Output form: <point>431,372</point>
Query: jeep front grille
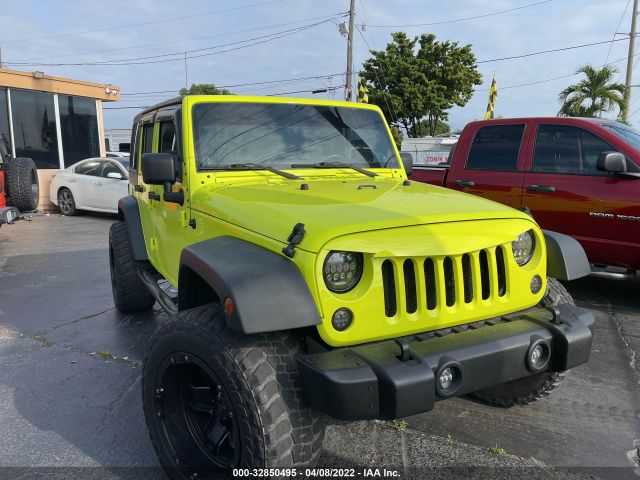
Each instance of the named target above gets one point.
<point>469,280</point>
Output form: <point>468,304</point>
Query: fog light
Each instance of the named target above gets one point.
<point>536,284</point>
<point>342,319</point>
<point>446,378</point>
<point>538,356</point>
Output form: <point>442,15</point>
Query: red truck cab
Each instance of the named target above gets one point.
<point>550,167</point>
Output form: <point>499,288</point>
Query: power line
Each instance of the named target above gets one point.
<point>150,22</point>
<point>384,93</point>
<point>614,32</point>
<point>552,78</point>
<point>282,80</point>
<point>550,51</point>
<point>461,19</point>
<point>173,42</point>
<point>180,56</point>
<point>327,89</point>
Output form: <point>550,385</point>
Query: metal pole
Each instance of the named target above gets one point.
<point>632,44</point>
<point>349,81</point>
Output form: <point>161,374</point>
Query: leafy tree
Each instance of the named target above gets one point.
<point>594,95</point>
<point>397,136</point>
<point>204,89</point>
<point>424,129</point>
<point>420,78</point>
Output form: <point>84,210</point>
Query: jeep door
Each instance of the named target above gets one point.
<point>567,193</point>
<point>170,220</point>
<point>488,161</point>
<point>143,143</point>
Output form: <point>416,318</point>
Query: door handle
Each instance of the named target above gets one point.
<point>465,183</point>
<point>97,183</point>
<point>541,188</point>
<point>138,188</point>
<point>72,181</point>
<point>154,196</point>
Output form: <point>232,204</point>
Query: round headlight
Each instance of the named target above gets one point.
<point>523,247</point>
<point>342,271</point>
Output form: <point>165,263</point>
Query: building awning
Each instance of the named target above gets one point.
<point>45,83</point>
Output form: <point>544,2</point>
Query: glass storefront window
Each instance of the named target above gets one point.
<point>5,132</point>
<point>34,127</point>
<point>79,127</point>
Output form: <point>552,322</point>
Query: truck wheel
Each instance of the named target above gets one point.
<point>23,191</point>
<point>129,293</point>
<point>532,388</point>
<point>215,399</point>
<point>66,202</point>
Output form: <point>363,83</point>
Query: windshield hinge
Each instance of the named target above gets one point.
<point>296,236</point>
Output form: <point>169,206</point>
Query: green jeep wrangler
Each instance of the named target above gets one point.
<point>303,274</point>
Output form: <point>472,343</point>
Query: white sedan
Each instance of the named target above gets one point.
<point>93,184</point>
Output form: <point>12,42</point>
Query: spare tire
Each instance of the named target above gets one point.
<point>23,191</point>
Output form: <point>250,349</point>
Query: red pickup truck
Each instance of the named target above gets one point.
<point>577,176</point>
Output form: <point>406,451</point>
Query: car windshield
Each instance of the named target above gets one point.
<point>282,135</point>
<point>124,161</point>
<point>626,134</point>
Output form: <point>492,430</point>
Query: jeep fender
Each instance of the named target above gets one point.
<point>566,259</point>
<point>267,291</point>
<point>129,214</point>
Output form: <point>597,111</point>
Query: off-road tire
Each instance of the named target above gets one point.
<point>129,293</point>
<point>530,389</point>
<point>275,427</point>
<point>22,184</point>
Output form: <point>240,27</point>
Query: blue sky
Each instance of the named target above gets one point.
<point>318,50</point>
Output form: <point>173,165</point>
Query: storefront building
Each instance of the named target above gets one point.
<point>55,121</point>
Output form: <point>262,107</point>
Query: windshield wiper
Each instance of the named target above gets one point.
<point>335,165</point>
<point>256,166</point>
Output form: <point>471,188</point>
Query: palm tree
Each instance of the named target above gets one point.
<point>594,95</point>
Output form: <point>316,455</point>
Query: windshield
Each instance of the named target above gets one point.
<point>124,161</point>
<point>626,134</point>
<point>282,135</point>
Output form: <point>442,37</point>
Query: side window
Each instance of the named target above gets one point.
<point>496,147</point>
<point>134,155</point>
<point>167,143</point>
<point>566,149</point>
<point>109,167</point>
<point>147,138</point>
<point>167,140</point>
<point>91,168</point>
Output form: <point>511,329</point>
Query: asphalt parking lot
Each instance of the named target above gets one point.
<point>70,365</point>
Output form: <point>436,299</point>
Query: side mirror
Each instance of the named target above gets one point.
<point>158,169</point>
<point>115,175</point>
<point>407,162</point>
<point>612,162</point>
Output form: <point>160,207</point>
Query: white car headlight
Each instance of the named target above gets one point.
<point>342,271</point>
<point>523,247</point>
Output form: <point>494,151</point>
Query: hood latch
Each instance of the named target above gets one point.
<point>296,236</point>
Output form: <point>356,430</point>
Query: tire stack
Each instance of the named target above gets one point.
<point>21,178</point>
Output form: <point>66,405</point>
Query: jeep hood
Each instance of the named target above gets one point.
<point>331,208</point>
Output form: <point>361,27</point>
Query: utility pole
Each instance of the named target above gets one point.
<point>348,91</point>
<point>632,45</point>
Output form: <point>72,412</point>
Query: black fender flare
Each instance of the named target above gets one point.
<point>129,214</point>
<point>566,259</point>
<point>267,291</point>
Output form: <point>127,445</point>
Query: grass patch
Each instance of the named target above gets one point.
<point>105,355</point>
<point>400,425</point>
<point>497,450</point>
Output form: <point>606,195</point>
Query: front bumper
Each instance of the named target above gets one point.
<point>397,378</point>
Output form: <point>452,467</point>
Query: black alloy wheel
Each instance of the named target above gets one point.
<point>196,416</point>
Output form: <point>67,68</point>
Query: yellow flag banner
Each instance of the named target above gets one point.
<point>363,92</point>
<point>493,94</point>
